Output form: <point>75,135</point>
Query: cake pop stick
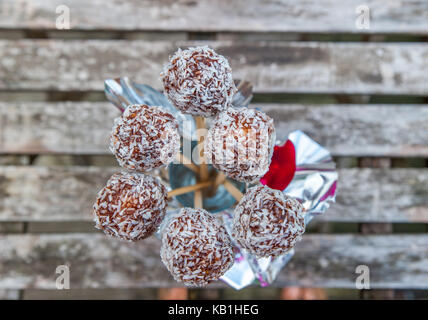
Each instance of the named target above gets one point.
<point>203,166</point>
<point>187,189</point>
<point>234,191</point>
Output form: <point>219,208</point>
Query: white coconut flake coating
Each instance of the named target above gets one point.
<point>268,223</point>
<point>196,248</point>
<point>144,138</point>
<point>131,206</point>
<point>240,143</point>
<point>199,81</point>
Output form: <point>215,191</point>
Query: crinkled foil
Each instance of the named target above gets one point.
<point>314,182</point>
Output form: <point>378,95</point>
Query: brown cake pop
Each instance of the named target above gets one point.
<point>199,81</point>
<point>144,138</point>
<point>131,206</point>
<point>268,223</point>
<point>240,143</point>
<point>196,248</point>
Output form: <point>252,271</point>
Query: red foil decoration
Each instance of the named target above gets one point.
<point>282,167</point>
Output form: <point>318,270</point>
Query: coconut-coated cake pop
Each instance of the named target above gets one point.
<point>144,137</point>
<point>268,223</point>
<point>199,81</point>
<point>196,248</point>
<point>240,143</point>
<point>131,206</point>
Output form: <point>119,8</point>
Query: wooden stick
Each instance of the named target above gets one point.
<point>219,180</point>
<point>198,200</point>
<point>187,162</point>
<point>203,166</point>
<point>221,177</point>
<point>234,191</point>
<point>187,189</point>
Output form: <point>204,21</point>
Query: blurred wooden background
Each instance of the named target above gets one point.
<point>363,93</point>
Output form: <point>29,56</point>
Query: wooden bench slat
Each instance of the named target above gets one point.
<point>349,68</point>
<point>65,128</point>
<point>67,194</point>
<point>346,130</point>
<point>325,16</point>
<point>357,130</point>
<point>395,261</point>
<point>96,261</point>
<point>9,294</point>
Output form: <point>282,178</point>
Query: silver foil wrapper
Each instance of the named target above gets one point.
<point>314,185</point>
<point>314,182</point>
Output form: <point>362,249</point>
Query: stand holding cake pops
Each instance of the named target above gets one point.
<point>311,179</point>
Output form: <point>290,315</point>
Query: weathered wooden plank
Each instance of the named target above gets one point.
<point>377,228</point>
<point>346,130</point>
<point>64,194</point>
<point>91,294</point>
<point>357,130</point>
<point>380,195</point>
<point>49,193</point>
<point>9,294</point>
<point>395,261</point>
<point>96,261</point>
<point>310,67</point>
<point>71,128</point>
<point>325,16</point>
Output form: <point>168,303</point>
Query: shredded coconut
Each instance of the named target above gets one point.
<point>131,206</point>
<point>196,248</point>
<point>240,143</point>
<point>144,138</point>
<point>267,222</point>
<point>199,81</point>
